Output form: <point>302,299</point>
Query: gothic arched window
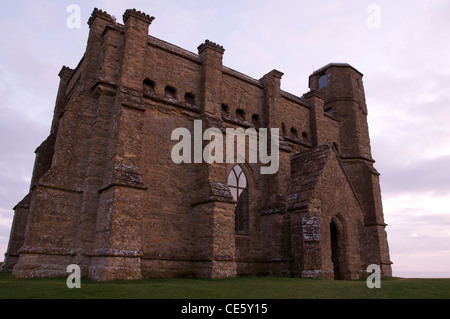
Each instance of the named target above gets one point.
<point>237,182</point>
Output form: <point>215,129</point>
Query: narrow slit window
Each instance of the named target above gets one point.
<point>225,110</point>
<point>255,121</point>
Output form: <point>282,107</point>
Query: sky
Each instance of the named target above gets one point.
<point>401,47</point>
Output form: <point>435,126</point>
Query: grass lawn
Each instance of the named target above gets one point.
<point>230,288</point>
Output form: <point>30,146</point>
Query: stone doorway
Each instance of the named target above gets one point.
<point>335,251</point>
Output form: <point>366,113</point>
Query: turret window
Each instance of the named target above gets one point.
<point>323,81</point>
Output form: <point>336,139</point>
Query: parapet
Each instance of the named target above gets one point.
<point>137,14</point>
<point>99,14</point>
<point>210,45</point>
<point>65,70</point>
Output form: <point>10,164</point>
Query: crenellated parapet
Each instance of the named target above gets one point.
<point>210,45</point>
<point>97,13</point>
<point>137,14</point>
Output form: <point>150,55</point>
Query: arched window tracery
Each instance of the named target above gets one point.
<point>238,184</point>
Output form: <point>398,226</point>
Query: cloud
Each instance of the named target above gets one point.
<point>19,137</point>
<point>405,62</point>
<point>16,165</point>
<point>410,135</point>
<point>421,176</point>
<point>5,227</point>
<point>419,235</point>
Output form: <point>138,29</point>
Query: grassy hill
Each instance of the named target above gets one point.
<point>230,288</point>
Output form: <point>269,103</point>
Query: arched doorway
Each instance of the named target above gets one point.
<point>335,251</point>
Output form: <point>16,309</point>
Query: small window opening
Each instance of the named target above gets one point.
<point>240,114</point>
<point>283,129</point>
<point>225,110</point>
<point>255,121</point>
<point>323,81</point>
<point>189,98</point>
<point>305,135</point>
<point>148,87</point>
<point>294,133</point>
<point>170,92</point>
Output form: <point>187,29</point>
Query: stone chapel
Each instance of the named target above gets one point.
<point>106,195</point>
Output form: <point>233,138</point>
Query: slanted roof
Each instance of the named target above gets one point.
<point>306,168</point>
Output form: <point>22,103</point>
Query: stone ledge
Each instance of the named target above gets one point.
<point>112,252</point>
<point>60,188</point>
<point>121,184</point>
<point>173,102</point>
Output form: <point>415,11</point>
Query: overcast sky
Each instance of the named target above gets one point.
<point>401,47</point>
